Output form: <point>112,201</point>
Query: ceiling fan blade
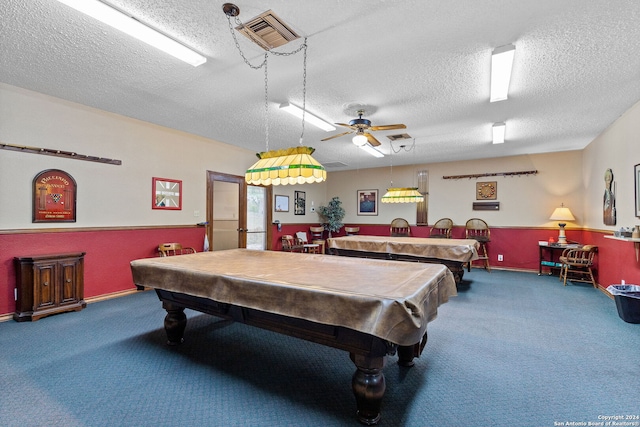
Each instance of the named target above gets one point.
<point>337,136</point>
<point>372,139</point>
<point>388,127</point>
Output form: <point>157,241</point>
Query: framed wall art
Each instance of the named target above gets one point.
<point>367,202</point>
<point>299,202</point>
<point>486,190</point>
<point>282,203</point>
<point>636,174</point>
<point>54,197</point>
<point>166,194</point>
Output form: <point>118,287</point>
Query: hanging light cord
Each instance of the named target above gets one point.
<point>403,147</point>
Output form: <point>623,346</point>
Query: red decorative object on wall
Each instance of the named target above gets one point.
<point>54,197</point>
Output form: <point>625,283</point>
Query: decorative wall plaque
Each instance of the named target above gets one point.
<point>486,190</point>
<point>54,197</point>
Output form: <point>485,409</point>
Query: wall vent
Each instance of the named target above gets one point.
<point>267,30</point>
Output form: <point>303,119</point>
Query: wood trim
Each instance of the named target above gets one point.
<point>81,229</point>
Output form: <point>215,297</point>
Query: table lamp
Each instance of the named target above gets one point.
<point>562,214</point>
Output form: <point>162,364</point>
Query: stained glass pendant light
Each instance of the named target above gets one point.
<point>402,195</point>
<point>289,166</point>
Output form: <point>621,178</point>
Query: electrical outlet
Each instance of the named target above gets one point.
<point>196,213</point>
<point>500,257</point>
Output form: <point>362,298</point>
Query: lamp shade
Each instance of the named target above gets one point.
<point>402,195</point>
<point>562,214</point>
<point>359,139</point>
<point>289,166</point>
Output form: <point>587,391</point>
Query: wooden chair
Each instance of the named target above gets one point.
<point>290,244</point>
<point>352,231</point>
<point>577,264</point>
<point>310,248</point>
<point>441,229</point>
<point>400,227</point>
<point>317,236</point>
<point>478,229</point>
<point>171,249</point>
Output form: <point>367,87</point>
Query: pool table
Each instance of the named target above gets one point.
<point>370,308</point>
<point>454,253</point>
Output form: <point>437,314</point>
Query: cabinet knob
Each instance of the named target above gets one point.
<point>46,283</point>
<point>68,280</point>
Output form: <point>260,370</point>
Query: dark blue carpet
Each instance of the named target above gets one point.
<point>513,349</point>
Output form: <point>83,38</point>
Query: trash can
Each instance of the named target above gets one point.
<point>627,299</point>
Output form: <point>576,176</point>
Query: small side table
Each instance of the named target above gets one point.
<point>549,256</point>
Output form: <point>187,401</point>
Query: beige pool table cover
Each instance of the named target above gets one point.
<point>388,299</point>
<point>462,250</point>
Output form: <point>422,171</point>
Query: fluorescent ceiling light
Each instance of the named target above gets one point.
<point>129,25</point>
<point>498,132</point>
<point>308,117</point>
<point>501,64</point>
<point>369,149</point>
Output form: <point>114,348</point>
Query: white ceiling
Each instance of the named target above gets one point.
<point>424,63</point>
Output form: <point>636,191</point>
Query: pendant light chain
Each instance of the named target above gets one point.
<point>304,88</point>
<point>287,166</point>
<point>266,100</point>
<point>235,39</point>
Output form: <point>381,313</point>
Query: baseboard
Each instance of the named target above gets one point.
<point>91,300</point>
<point>110,296</point>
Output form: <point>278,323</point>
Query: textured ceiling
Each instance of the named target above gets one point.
<point>422,63</point>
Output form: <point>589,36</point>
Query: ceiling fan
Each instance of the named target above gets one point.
<point>361,127</point>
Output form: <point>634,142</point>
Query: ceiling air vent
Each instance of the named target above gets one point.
<point>267,30</point>
<point>398,136</point>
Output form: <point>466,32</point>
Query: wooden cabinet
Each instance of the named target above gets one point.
<point>49,284</point>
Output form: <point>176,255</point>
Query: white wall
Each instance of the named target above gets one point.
<point>111,195</point>
<point>108,195</point>
<point>525,200</point>
<point>618,149</point>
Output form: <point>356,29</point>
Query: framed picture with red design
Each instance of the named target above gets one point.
<point>166,194</point>
<point>54,197</point>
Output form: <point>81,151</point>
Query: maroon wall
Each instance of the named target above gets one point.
<point>616,260</point>
<point>108,253</point>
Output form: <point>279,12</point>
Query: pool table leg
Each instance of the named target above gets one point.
<point>175,323</point>
<point>368,386</point>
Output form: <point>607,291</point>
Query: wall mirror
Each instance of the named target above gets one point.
<point>166,194</point>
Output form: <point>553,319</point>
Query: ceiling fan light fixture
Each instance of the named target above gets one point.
<point>131,26</point>
<point>501,65</point>
<point>371,150</point>
<point>360,139</point>
<point>296,111</point>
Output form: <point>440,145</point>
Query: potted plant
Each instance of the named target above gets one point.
<point>332,215</point>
